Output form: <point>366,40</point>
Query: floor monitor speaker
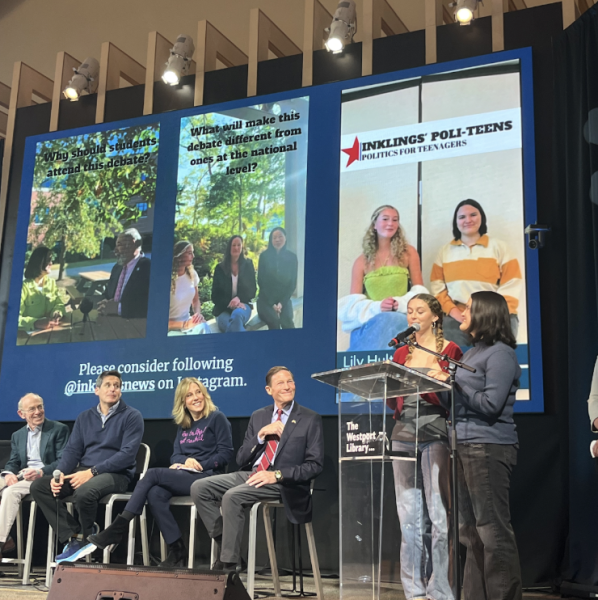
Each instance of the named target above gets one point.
<point>88,581</point>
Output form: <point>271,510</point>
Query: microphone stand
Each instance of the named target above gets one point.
<point>453,366</point>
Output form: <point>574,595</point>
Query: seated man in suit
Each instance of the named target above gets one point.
<point>35,450</point>
<point>98,460</point>
<point>127,291</point>
<point>282,452</point>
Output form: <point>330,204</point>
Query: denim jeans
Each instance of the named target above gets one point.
<point>423,504</point>
<point>378,331</point>
<point>492,569</point>
<point>235,321</point>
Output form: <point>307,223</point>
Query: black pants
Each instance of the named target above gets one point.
<point>85,498</point>
<point>272,319</point>
<point>158,487</point>
<point>492,569</point>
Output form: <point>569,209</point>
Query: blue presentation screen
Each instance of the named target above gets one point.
<point>219,241</point>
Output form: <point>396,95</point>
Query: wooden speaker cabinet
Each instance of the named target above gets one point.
<point>84,581</point>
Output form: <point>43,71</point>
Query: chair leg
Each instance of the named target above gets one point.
<point>192,536</point>
<point>50,557</point>
<point>313,555</point>
<point>212,553</point>
<point>271,551</point>
<point>20,539</point>
<point>162,548</point>
<point>29,548</point>
<point>144,540</point>
<point>251,549</point>
<point>131,542</point>
<point>107,523</point>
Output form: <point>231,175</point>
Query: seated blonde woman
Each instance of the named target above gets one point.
<point>184,295</point>
<point>377,305</point>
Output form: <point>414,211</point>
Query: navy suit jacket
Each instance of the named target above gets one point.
<point>53,440</point>
<point>300,456</point>
<point>134,299</point>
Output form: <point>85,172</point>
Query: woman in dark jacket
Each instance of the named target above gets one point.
<point>277,278</point>
<point>233,288</point>
<point>488,446</point>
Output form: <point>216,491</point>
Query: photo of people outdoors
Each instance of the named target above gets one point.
<point>238,258</point>
<point>87,266</point>
<point>431,201</point>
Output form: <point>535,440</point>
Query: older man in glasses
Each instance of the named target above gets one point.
<point>35,451</point>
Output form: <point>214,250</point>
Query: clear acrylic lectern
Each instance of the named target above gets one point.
<point>370,534</point>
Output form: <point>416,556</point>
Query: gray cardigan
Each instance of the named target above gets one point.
<point>484,400</point>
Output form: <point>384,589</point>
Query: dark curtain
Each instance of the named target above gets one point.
<point>2,142</point>
<point>576,152</point>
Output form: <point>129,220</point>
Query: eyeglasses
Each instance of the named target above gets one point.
<point>30,411</point>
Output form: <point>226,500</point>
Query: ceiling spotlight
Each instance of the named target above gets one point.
<point>343,26</point>
<point>180,60</point>
<point>84,81</point>
<point>464,11</point>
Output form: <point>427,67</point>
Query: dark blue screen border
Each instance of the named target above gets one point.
<point>46,369</point>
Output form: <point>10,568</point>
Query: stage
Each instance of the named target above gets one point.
<point>10,589</point>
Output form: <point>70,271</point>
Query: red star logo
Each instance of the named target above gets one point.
<point>353,152</point>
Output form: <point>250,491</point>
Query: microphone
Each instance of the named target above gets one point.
<point>85,307</point>
<point>400,337</point>
<point>56,476</point>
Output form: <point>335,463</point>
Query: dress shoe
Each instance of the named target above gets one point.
<point>224,566</point>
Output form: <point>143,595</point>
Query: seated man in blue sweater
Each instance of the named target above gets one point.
<point>99,459</point>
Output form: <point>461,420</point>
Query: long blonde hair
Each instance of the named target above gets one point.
<point>179,248</point>
<point>398,242</point>
<point>436,309</point>
<point>181,414</point>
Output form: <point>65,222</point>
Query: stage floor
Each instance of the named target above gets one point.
<point>11,589</point>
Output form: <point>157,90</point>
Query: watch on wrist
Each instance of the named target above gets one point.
<point>278,476</point>
<point>94,472</point>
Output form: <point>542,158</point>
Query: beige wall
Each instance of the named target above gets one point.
<point>34,31</point>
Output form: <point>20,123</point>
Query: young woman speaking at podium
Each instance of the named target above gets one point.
<point>423,499</point>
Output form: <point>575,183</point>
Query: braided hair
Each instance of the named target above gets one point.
<point>436,309</point>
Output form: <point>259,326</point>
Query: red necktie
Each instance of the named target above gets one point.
<point>268,455</point>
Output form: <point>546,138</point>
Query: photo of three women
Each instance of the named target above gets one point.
<point>234,292</point>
